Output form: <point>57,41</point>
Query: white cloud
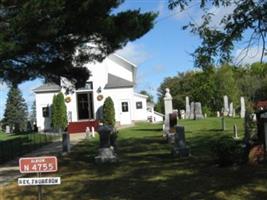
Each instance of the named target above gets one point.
<point>248,56</point>
<point>218,14</point>
<point>135,53</point>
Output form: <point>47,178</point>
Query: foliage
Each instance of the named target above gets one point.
<point>32,116</point>
<point>218,42</point>
<point>209,86</point>
<point>54,39</point>
<point>227,150</point>
<point>16,112</point>
<point>150,96</point>
<point>59,112</point>
<point>109,112</point>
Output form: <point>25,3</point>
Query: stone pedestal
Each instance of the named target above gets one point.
<point>105,155</point>
<point>66,142</point>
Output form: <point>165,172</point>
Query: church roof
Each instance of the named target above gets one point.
<point>117,82</point>
<point>47,87</point>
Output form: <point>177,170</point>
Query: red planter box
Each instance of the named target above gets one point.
<point>80,126</point>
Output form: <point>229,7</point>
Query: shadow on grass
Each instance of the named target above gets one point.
<point>147,171</point>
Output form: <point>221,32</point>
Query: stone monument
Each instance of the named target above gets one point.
<point>183,114</point>
<point>187,108</point>
<point>180,148</point>
<point>192,111</point>
<point>168,109</point>
<point>225,106</point>
<point>198,111</point>
<point>106,150</point>
<point>243,108</point>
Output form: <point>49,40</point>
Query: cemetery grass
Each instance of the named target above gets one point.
<point>147,170</point>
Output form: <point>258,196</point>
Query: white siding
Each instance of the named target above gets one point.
<point>43,100</point>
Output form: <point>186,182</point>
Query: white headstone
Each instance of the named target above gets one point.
<point>198,111</point>
<point>168,108</point>
<point>231,108</point>
<point>187,108</point>
<point>192,111</point>
<point>243,108</point>
<point>218,114</point>
<point>183,114</point>
<point>225,105</point>
<point>8,129</point>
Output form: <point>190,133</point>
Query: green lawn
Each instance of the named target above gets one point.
<point>147,170</point>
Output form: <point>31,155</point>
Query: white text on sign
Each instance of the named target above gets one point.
<point>39,181</point>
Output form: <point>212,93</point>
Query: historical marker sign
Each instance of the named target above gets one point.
<point>38,164</point>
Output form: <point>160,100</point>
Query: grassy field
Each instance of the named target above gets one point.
<point>147,170</point>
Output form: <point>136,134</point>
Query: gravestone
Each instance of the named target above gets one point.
<point>231,109</point>
<point>180,147</point>
<point>168,109</point>
<point>66,142</point>
<point>218,114</point>
<point>235,131</point>
<point>243,108</point>
<point>198,111</point>
<point>225,106</point>
<point>187,108</point>
<point>192,111</point>
<point>8,129</point>
<point>182,113</point>
<point>173,122</point>
<point>106,150</point>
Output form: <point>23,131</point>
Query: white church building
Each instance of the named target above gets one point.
<point>115,77</point>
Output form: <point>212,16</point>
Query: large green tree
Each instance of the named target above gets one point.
<point>55,38</point>
<point>16,112</point>
<point>247,17</point>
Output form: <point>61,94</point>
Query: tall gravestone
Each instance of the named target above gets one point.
<point>243,108</point>
<point>198,111</point>
<point>192,111</point>
<point>231,109</point>
<point>168,109</point>
<point>180,147</point>
<point>225,106</point>
<point>187,108</point>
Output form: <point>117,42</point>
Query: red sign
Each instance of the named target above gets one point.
<point>38,164</point>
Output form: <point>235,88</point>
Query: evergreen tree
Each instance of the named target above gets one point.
<point>59,113</point>
<point>15,114</point>
<point>109,112</point>
<point>33,113</point>
<point>54,39</point>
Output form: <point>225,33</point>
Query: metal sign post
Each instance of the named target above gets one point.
<point>39,188</point>
<point>38,165</point>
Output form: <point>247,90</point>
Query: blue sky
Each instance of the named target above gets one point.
<point>162,52</point>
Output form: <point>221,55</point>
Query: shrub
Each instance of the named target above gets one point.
<point>109,112</point>
<point>59,112</point>
<point>227,151</point>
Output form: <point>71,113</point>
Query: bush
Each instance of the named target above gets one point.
<point>228,151</point>
<point>109,112</point>
<point>59,113</point>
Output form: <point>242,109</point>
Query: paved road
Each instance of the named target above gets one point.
<point>10,170</point>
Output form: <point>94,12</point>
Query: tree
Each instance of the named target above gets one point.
<point>150,96</point>
<point>54,39</point>
<point>109,112</point>
<point>59,112</point>
<point>15,114</point>
<point>219,42</point>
